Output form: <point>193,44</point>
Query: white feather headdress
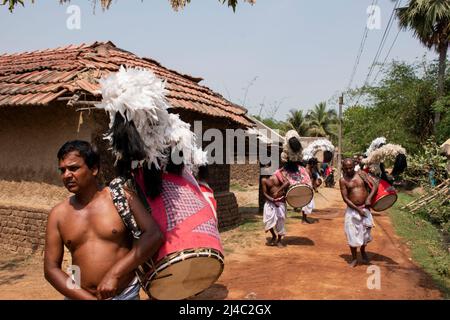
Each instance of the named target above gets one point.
<point>377,143</point>
<point>140,96</point>
<point>318,145</point>
<point>386,152</point>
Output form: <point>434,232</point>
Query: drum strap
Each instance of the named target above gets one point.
<point>367,179</point>
<point>123,207</point>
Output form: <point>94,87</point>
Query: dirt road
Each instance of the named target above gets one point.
<point>313,265</point>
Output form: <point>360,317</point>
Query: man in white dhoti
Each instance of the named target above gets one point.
<point>358,219</point>
<point>274,217</point>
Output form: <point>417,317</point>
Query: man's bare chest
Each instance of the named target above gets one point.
<point>93,223</point>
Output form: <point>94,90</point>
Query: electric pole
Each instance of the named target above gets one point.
<point>341,102</point>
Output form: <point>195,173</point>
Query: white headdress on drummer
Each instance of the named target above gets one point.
<point>139,96</point>
<point>377,143</point>
<point>318,145</point>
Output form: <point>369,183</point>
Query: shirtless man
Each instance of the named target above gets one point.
<point>88,224</point>
<point>274,190</point>
<point>358,219</point>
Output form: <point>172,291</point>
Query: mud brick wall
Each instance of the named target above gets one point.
<point>245,174</point>
<point>22,229</point>
<point>228,215</point>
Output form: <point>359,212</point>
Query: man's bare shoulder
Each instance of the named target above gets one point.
<point>62,208</point>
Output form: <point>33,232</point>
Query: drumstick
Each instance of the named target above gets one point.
<point>322,196</point>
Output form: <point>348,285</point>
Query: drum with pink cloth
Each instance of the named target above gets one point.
<point>191,258</point>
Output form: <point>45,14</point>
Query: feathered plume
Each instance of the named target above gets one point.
<point>377,143</point>
<point>140,98</point>
<point>312,148</point>
<point>388,151</point>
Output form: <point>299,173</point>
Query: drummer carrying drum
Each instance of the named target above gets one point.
<point>276,187</point>
<point>358,219</point>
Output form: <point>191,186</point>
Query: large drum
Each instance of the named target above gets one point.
<point>385,198</point>
<point>299,195</point>
<point>191,258</point>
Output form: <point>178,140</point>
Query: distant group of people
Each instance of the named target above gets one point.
<point>357,188</point>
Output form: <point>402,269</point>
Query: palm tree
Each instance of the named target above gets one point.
<point>322,121</point>
<point>296,121</point>
<point>176,4</point>
<point>430,22</point>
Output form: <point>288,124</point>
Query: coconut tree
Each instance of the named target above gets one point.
<point>176,4</point>
<point>430,22</point>
<point>296,121</point>
<point>322,122</point>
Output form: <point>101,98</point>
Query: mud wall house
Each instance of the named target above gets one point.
<point>47,97</point>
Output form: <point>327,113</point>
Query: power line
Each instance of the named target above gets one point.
<point>383,42</point>
<point>380,46</point>
<point>387,55</point>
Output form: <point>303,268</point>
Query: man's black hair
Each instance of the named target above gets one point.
<point>400,165</point>
<point>348,160</point>
<point>327,156</point>
<point>291,166</point>
<point>172,167</point>
<point>295,144</point>
<point>85,150</point>
<point>203,173</point>
<point>127,141</point>
<point>313,161</point>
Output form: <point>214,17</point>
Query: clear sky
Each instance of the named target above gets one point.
<point>291,53</point>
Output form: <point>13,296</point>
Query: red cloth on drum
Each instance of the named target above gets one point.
<point>183,214</point>
<point>209,195</point>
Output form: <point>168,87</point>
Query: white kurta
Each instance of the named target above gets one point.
<point>274,217</point>
<point>358,228</point>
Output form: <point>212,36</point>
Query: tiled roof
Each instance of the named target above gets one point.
<point>40,77</point>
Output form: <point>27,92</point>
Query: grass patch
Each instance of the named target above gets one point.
<point>251,224</point>
<point>237,187</point>
<point>426,242</point>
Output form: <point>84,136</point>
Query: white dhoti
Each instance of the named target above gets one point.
<point>308,209</point>
<point>274,217</point>
<point>358,228</point>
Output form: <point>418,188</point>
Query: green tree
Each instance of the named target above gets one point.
<point>176,4</point>
<point>430,22</point>
<point>322,122</point>
<point>399,108</point>
<point>273,124</point>
<point>296,121</point>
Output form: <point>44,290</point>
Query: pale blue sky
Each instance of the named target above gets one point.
<point>302,52</point>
